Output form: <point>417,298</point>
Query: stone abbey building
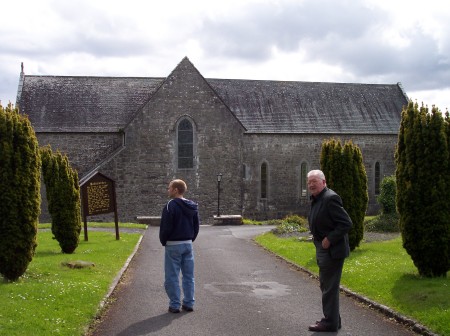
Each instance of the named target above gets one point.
<point>262,136</point>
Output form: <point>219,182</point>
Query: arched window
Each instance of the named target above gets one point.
<point>377,178</point>
<point>185,145</point>
<point>264,180</point>
<point>303,182</point>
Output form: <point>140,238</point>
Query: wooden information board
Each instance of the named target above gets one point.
<point>98,197</point>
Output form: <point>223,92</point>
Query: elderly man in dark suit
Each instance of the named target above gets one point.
<point>329,224</point>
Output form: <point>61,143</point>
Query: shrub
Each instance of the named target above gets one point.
<point>20,200</point>
<point>345,174</point>
<point>423,184</point>
<point>386,199</point>
<point>247,221</point>
<point>63,197</point>
<point>291,224</point>
<point>296,219</point>
<point>273,222</point>
<point>383,223</point>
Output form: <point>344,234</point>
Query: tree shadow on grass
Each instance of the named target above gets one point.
<point>427,297</point>
<point>420,292</point>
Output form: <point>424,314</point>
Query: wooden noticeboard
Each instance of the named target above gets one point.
<point>98,196</point>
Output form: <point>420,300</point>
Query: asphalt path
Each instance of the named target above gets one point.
<point>241,289</point>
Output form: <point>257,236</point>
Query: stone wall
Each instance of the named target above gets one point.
<point>144,169</point>
<point>84,150</point>
<point>147,161</point>
<point>285,153</point>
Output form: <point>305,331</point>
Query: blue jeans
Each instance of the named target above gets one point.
<point>179,258</point>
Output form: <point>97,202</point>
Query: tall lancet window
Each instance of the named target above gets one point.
<point>303,180</point>
<point>377,178</point>
<point>185,145</point>
<point>264,180</point>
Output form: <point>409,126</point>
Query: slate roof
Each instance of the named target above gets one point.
<point>107,104</point>
<point>312,107</point>
<point>84,104</point>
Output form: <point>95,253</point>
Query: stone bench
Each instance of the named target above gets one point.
<point>228,220</point>
<point>149,220</point>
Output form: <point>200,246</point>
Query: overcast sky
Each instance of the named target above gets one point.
<point>350,41</point>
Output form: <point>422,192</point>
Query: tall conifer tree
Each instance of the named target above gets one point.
<point>360,195</point>
<point>63,197</point>
<point>19,192</point>
<point>346,175</point>
<point>423,182</point>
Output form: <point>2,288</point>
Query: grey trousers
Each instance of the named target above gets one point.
<point>330,271</point>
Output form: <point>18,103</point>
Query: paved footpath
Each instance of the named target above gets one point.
<point>241,289</point>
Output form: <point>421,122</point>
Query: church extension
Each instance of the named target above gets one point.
<point>262,136</point>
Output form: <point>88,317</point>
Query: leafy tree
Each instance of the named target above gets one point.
<point>386,199</point>
<point>63,197</point>
<point>423,182</point>
<point>345,173</point>
<point>387,219</point>
<point>20,200</point>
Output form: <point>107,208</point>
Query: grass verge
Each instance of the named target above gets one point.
<point>383,272</point>
<point>100,225</point>
<point>50,299</point>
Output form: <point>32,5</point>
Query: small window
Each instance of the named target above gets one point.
<point>264,180</point>
<point>303,182</point>
<point>185,145</point>
<point>377,178</point>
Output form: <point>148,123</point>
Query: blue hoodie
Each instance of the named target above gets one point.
<point>179,221</point>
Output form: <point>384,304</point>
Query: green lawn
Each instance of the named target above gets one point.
<point>100,225</point>
<point>383,272</point>
<point>50,299</point>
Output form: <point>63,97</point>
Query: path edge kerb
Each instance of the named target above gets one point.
<point>414,325</point>
<point>120,274</point>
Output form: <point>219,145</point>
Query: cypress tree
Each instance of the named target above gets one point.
<point>326,157</point>
<point>402,171</point>
<point>423,197</point>
<point>19,192</point>
<point>346,175</point>
<point>63,197</point>
<point>360,195</point>
<point>447,134</point>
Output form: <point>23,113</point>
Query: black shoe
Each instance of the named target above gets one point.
<point>186,308</point>
<point>320,327</point>
<point>174,310</point>
<point>340,324</point>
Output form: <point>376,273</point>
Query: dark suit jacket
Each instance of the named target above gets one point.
<point>328,218</point>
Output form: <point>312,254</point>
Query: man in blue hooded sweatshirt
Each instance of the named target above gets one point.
<point>179,228</point>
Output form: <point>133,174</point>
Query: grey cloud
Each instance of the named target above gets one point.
<point>96,32</point>
<point>340,33</point>
<point>421,65</point>
<point>252,33</point>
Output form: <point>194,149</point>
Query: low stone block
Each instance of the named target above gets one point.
<point>149,220</point>
<point>228,220</point>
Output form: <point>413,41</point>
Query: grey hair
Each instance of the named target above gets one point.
<point>317,173</point>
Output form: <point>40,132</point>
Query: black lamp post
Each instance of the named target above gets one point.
<point>219,178</point>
